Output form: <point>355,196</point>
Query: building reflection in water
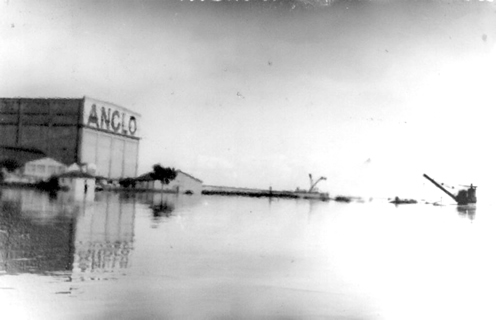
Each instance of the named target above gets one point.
<point>46,235</point>
<point>36,234</point>
<point>104,235</point>
<point>167,203</point>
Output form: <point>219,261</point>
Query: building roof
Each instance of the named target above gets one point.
<point>145,177</point>
<point>30,150</point>
<point>148,176</point>
<point>70,99</point>
<point>39,98</point>
<point>45,160</point>
<point>190,176</point>
<point>21,154</point>
<point>113,104</point>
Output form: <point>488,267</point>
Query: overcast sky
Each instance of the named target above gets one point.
<point>370,94</point>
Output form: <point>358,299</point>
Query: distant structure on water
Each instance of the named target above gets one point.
<point>465,196</point>
<point>100,136</point>
<point>183,183</point>
<point>249,192</point>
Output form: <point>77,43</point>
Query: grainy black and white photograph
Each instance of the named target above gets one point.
<point>247,159</point>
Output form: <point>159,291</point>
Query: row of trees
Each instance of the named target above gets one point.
<point>160,173</point>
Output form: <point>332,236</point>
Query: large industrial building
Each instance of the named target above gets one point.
<point>102,136</point>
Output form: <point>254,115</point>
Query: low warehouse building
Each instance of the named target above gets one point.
<point>183,183</point>
<point>42,169</point>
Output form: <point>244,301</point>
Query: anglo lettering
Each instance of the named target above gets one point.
<point>116,125</point>
<point>105,118</point>
<point>113,120</point>
<point>124,131</point>
<point>132,125</point>
<point>93,117</point>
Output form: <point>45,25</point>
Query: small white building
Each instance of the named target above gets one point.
<point>81,185</point>
<point>183,183</point>
<point>42,169</point>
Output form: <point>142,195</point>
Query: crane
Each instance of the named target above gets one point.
<point>313,184</point>
<point>463,197</point>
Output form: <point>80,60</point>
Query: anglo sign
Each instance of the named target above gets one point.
<point>113,120</point>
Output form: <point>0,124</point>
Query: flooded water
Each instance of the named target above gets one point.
<point>125,256</point>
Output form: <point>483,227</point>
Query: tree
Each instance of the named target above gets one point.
<point>164,175</point>
<point>10,165</point>
<point>127,182</point>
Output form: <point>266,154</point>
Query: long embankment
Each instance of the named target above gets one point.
<point>247,192</point>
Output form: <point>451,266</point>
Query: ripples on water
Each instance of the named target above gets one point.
<point>144,256</point>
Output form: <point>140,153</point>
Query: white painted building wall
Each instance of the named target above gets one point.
<point>185,182</point>
<point>111,155</point>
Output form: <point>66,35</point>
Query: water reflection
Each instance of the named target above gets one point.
<point>46,233</point>
<point>104,235</point>
<point>163,209</point>
<point>467,211</point>
<point>36,235</point>
<point>166,205</point>
<point>228,256</point>
<point>43,234</point>
<point>168,199</point>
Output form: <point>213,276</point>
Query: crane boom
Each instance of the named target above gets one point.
<point>313,184</point>
<point>440,187</point>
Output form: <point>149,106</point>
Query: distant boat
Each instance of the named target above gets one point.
<point>403,201</point>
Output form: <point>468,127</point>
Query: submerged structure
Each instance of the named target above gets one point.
<point>465,196</point>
